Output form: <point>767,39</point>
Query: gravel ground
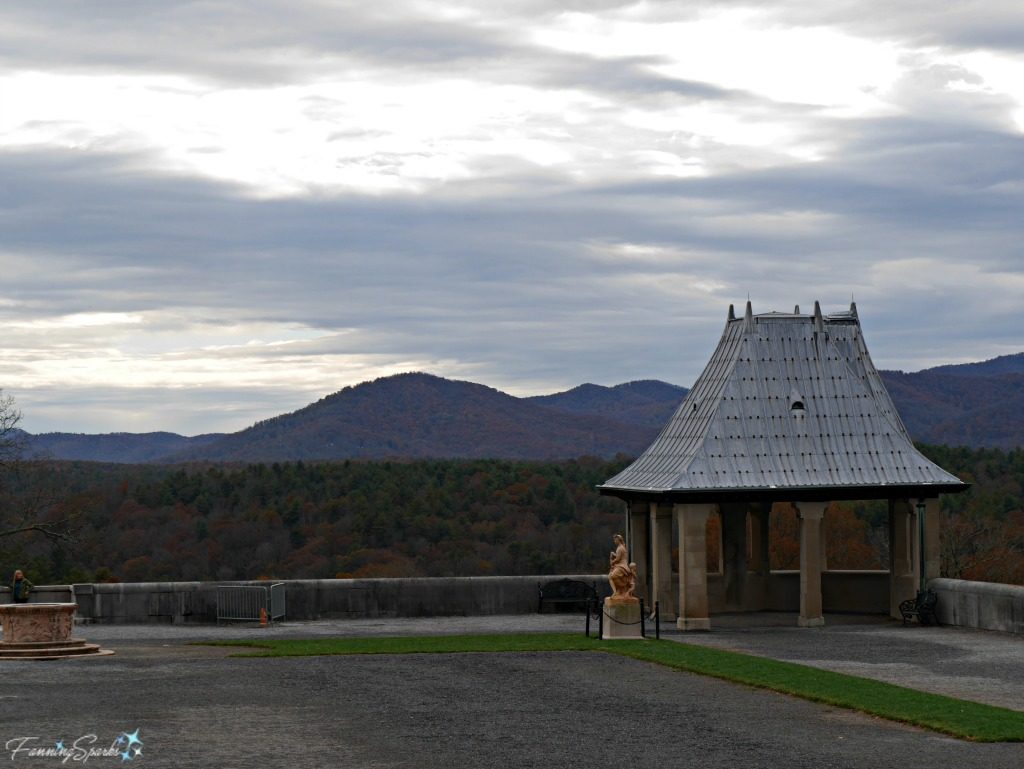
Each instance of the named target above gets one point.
<point>970,664</point>
<point>195,707</point>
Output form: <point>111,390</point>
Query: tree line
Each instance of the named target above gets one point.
<point>437,518</point>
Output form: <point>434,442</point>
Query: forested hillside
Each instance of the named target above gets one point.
<point>348,518</point>
<point>448,517</point>
<point>959,406</point>
<point>423,416</point>
<point>647,403</point>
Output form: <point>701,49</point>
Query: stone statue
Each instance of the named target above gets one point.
<point>622,574</point>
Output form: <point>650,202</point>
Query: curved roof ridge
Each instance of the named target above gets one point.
<point>680,441</point>
<point>873,387</point>
<point>875,384</point>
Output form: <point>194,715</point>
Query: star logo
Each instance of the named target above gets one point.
<point>132,745</point>
<point>59,744</point>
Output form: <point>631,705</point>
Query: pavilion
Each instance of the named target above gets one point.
<point>789,409</point>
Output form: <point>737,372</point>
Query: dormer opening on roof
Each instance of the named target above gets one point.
<point>796,403</point>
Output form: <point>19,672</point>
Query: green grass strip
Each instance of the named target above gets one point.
<point>959,718</point>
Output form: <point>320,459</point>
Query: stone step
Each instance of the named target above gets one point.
<point>53,651</point>
<point>41,644</point>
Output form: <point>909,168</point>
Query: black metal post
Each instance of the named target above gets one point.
<point>920,543</point>
<point>600,623</point>
<point>657,620</point>
<point>590,607</point>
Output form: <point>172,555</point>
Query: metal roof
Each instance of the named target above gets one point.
<point>789,407</point>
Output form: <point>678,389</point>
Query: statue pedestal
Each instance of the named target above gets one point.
<point>621,619</point>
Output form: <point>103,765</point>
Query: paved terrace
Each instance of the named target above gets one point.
<point>196,707</point>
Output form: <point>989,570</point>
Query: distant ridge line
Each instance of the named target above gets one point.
<point>420,415</point>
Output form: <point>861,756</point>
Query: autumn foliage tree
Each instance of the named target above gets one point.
<point>851,541</point>
<point>444,518</point>
<point>982,537</point>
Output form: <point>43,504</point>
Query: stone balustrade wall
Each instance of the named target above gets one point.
<point>968,604</point>
<point>308,599</point>
<point>983,605</point>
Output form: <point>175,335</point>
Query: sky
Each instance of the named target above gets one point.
<point>215,212</point>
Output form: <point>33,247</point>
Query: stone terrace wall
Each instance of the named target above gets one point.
<point>981,605</point>
<point>857,592</point>
<point>185,602</point>
<point>968,604</point>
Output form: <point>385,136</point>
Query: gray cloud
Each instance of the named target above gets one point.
<point>521,276</point>
<point>186,411</point>
<point>984,24</point>
<point>512,286</point>
<point>265,43</point>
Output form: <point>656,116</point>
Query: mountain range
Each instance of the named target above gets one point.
<point>418,415</point>
<point>972,404</point>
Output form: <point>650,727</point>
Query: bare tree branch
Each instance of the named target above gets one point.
<point>59,531</point>
<point>28,500</point>
<point>12,440</point>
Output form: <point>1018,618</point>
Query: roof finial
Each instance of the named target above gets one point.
<point>819,322</point>
<point>853,309</point>
<point>796,309</point>
<point>748,316</point>
<point>732,313</point>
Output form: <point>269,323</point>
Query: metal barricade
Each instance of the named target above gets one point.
<point>250,603</point>
<point>277,601</point>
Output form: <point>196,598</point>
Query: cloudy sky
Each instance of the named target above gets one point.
<point>214,212</point>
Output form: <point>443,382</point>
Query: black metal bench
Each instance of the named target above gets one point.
<point>566,592</point>
<point>922,607</point>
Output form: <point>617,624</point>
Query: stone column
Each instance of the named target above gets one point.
<point>760,552</point>
<point>811,514</point>
<point>719,568</point>
<point>902,571</point>
<point>766,538</point>
<point>734,553</point>
<point>661,558</point>
<point>638,546</point>
<point>824,544</point>
<point>932,550</point>
<point>693,567</point>
<point>757,560</point>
